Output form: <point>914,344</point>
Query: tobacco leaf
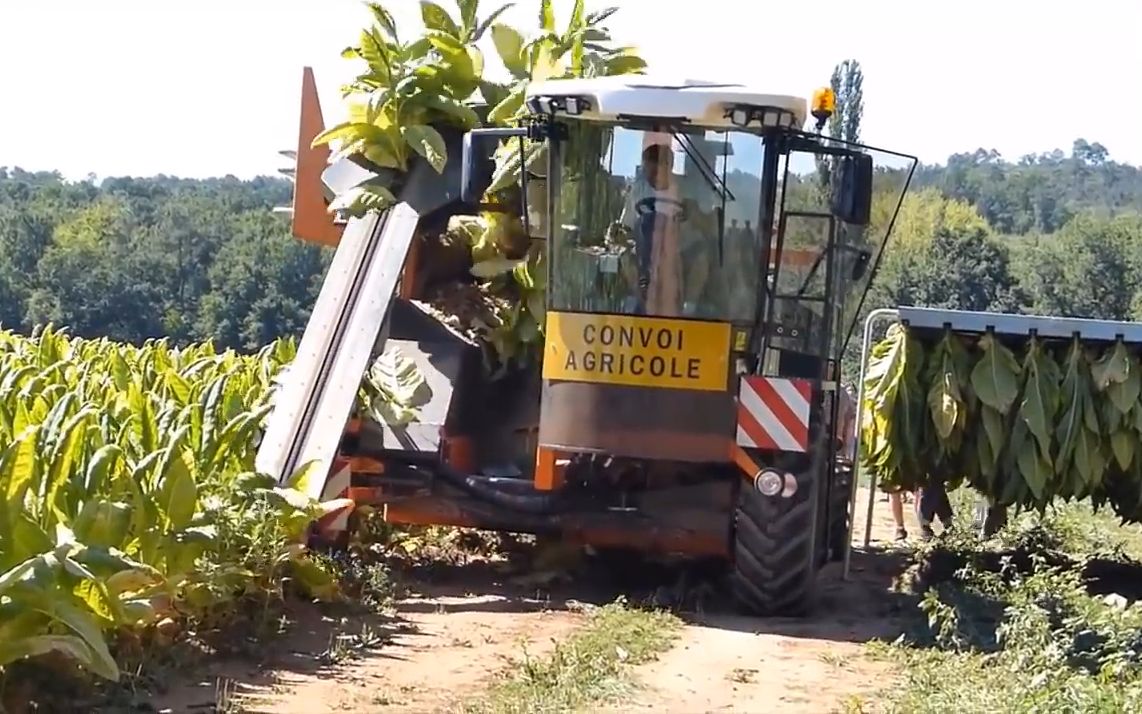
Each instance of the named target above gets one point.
<point>995,377</point>
<point>1040,398</point>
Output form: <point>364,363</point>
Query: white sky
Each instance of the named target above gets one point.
<point>211,87</point>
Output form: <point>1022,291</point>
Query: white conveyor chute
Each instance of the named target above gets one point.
<point>315,394</point>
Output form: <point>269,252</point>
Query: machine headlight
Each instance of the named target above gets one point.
<point>769,482</point>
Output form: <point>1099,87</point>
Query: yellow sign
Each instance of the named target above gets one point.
<point>637,351</point>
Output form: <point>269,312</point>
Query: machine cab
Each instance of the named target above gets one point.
<point>690,245</point>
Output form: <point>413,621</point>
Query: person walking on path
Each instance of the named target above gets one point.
<point>847,435</point>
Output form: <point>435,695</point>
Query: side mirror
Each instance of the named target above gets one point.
<point>478,162</point>
<point>852,191</point>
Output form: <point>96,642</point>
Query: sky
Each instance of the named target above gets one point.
<point>211,87</point>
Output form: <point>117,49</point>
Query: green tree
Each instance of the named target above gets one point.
<point>959,269</point>
<point>847,83</point>
<point>94,278</point>
<point>1090,268</point>
<point>263,284</point>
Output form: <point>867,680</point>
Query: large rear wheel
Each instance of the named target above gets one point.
<point>774,569</point>
<point>840,496</point>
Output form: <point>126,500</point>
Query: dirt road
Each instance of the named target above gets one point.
<point>456,633</point>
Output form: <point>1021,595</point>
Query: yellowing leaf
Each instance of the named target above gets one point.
<point>308,478</point>
<point>19,466</point>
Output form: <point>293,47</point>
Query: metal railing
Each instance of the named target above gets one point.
<point>866,346</point>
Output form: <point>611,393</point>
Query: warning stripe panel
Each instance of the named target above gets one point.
<point>336,486</point>
<point>773,413</point>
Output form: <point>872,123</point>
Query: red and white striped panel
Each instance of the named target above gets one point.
<point>336,486</point>
<point>773,413</point>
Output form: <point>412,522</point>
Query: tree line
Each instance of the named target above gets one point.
<point>135,258</point>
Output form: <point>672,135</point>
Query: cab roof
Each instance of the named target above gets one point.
<point>699,102</point>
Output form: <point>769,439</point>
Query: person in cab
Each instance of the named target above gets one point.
<point>664,224</point>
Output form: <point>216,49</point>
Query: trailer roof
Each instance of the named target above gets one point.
<point>1021,325</point>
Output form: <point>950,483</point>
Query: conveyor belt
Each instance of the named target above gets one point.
<point>316,393</point>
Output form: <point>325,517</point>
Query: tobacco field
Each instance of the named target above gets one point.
<point>127,497</point>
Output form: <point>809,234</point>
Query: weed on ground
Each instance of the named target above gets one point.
<point>591,667</point>
<point>1043,617</point>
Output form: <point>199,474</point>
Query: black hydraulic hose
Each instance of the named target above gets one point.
<point>533,503</point>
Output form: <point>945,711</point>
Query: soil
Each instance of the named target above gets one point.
<point>463,625</point>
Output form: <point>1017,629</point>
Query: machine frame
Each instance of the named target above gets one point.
<point>777,510</point>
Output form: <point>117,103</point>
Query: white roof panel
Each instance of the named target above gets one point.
<point>701,102</point>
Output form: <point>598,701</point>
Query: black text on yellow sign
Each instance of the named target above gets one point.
<point>637,351</point>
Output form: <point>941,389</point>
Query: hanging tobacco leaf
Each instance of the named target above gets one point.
<point>995,377</point>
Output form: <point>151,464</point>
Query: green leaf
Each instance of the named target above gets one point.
<point>464,116</point>
<point>69,645</point>
<point>349,133</point>
<point>104,523</point>
<point>1040,397</point>
<point>67,452</point>
<point>1122,444</point>
<point>1125,392</point>
<point>333,505</point>
<point>537,307</point>
<point>315,580</point>
<point>995,377</point>
<point>294,498</point>
<point>1034,469</point>
<point>509,108</point>
<point>178,494</point>
<point>509,45</point>
<point>546,16</point>
<point>490,20</point>
<point>995,431</point>
<point>427,142</point>
<point>102,463</point>
<point>27,539</point>
<point>509,163</point>
<point>468,10</point>
<point>1112,368</point>
<point>83,624</point>
<point>395,388</point>
<point>132,580</point>
<point>19,572</point>
<point>599,16</point>
<point>944,405</point>
<point>496,266</point>
<point>385,20</point>
<point>625,64</point>
<point>437,18</point>
<point>361,199</point>
<point>178,386</point>
<point>446,44</point>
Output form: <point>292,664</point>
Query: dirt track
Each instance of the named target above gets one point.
<point>463,628</point>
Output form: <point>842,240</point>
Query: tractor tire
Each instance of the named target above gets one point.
<point>839,516</point>
<point>774,567</point>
